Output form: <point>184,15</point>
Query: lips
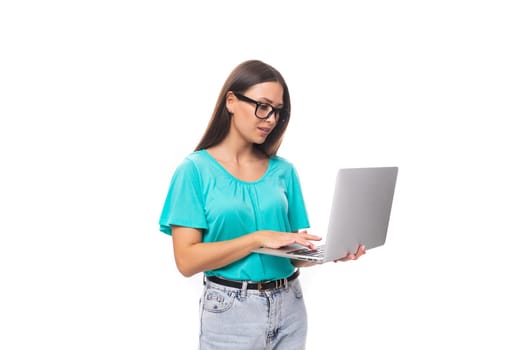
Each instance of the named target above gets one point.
<point>265,131</point>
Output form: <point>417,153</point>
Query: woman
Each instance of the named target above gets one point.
<point>233,195</point>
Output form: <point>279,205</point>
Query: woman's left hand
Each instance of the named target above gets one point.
<point>354,256</point>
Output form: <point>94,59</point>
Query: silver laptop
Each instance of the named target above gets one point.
<point>360,213</point>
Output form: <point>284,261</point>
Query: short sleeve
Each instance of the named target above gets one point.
<point>184,202</point>
<point>297,214</point>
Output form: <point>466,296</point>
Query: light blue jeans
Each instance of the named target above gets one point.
<point>236,319</point>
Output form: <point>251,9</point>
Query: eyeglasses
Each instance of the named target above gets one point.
<point>262,110</point>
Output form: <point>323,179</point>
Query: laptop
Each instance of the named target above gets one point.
<point>360,214</point>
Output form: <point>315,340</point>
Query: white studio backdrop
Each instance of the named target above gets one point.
<point>100,100</point>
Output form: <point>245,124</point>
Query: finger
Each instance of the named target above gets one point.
<point>348,257</point>
<point>311,237</point>
<point>360,251</point>
<point>306,243</point>
<point>309,245</point>
<point>304,234</point>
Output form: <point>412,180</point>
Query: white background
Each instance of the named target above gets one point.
<point>100,100</point>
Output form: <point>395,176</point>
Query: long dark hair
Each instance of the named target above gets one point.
<point>244,76</point>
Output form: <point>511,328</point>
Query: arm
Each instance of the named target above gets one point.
<point>193,256</point>
<point>303,263</point>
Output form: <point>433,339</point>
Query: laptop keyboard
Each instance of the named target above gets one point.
<point>308,252</point>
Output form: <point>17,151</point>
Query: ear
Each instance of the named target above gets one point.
<point>230,101</point>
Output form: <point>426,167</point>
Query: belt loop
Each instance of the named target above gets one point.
<point>286,284</point>
<point>244,289</point>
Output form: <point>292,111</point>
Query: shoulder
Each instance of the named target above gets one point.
<point>284,167</point>
<point>283,163</point>
<point>196,157</point>
<point>195,160</point>
<point>192,165</point>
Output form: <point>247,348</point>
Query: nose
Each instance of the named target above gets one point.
<point>273,117</point>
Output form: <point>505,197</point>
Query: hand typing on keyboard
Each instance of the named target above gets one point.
<point>319,251</point>
<point>273,239</point>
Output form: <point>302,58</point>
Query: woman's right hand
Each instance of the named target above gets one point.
<point>275,239</point>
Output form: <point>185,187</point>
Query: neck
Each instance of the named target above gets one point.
<point>231,150</point>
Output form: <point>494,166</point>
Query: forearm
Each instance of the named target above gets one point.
<point>199,257</point>
<point>302,263</point>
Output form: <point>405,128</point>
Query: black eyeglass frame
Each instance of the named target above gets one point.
<point>258,104</point>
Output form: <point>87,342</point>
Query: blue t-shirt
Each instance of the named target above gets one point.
<point>204,195</point>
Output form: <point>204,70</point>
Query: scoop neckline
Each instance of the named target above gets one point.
<point>223,169</point>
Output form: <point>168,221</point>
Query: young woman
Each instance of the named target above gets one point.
<point>233,195</point>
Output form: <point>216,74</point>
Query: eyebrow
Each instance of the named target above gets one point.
<point>271,102</point>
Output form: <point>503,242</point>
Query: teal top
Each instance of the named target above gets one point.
<point>204,195</point>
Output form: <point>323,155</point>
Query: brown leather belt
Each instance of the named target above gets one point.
<point>261,286</point>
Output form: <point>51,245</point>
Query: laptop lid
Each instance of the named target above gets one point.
<point>360,214</point>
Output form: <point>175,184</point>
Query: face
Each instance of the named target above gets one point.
<point>244,123</point>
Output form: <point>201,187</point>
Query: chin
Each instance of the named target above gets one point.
<point>259,141</point>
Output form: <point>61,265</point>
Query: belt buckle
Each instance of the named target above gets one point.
<point>278,284</point>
